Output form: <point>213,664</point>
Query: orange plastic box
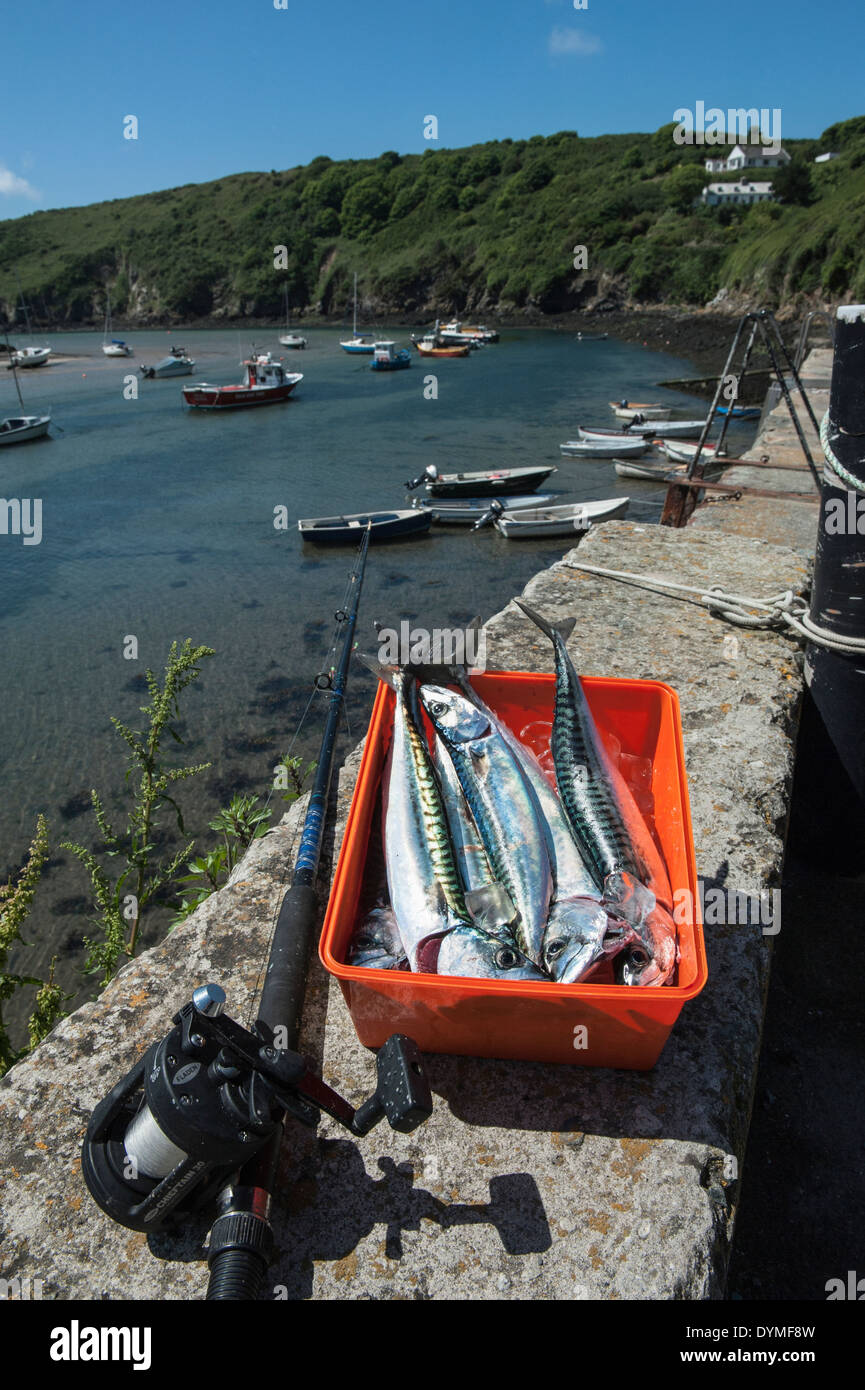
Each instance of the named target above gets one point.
<point>594,1025</point>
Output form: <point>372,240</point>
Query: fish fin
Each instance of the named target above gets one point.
<point>562,629</point>
<point>388,675</point>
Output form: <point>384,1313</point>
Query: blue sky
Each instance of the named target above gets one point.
<point>223,86</point>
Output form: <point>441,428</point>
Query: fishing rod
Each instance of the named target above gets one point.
<point>200,1116</point>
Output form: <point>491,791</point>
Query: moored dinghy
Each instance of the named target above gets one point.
<point>671,429</point>
<point>342,530</point>
<point>463,512</point>
<point>486,483</point>
<point>650,410</point>
<point>683,453</point>
<point>658,472</point>
<point>603,448</point>
<point>535,522</point>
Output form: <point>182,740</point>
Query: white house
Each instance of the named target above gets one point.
<point>725,194</point>
<point>749,157</point>
<point>824,158</point>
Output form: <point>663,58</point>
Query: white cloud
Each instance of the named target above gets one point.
<point>573,41</point>
<point>15,187</point>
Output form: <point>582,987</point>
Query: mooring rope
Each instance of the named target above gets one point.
<point>833,461</point>
<point>785,612</point>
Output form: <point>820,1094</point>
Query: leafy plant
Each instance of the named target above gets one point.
<point>241,822</point>
<point>120,902</point>
<point>291,776</point>
<point>15,900</point>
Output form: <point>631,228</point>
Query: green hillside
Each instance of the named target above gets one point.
<point>489,229</point>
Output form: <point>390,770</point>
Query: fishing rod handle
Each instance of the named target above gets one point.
<point>285,982</point>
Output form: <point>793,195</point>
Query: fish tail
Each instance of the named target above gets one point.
<point>562,629</point>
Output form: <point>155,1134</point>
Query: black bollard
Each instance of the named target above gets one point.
<point>836,679</point>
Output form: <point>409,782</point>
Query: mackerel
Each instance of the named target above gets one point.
<point>423,881</point>
<point>606,821</point>
<point>503,808</point>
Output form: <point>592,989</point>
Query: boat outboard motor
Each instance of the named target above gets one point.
<point>495,509</point>
<point>429,475</point>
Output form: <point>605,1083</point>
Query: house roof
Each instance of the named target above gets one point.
<point>758,151</point>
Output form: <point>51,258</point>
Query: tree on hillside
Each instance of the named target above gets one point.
<point>684,185</point>
<point>792,183</point>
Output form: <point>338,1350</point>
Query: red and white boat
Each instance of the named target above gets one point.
<point>265,382</point>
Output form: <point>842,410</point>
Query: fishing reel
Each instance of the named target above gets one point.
<point>209,1097</point>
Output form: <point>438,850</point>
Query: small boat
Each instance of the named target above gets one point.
<point>175,364</point>
<point>496,483</point>
<point>116,347</point>
<point>672,429</point>
<point>341,530</point>
<point>358,342</point>
<point>533,522</point>
<point>658,472</point>
<point>387,357</point>
<point>452,335</point>
<point>289,339</point>
<point>19,428</point>
<point>603,448</point>
<point>683,453</point>
<point>479,333</point>
<point>434,347</point>
<point>650,410</point>
<point>739,412</point>
<point>363,342</point>
<point>30,357</point>
<point>265,382</point>
<point>27,356</point>
<point>470,510</point>
<point>592,337</point>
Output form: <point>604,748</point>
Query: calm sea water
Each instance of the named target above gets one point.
<point>158,524</point>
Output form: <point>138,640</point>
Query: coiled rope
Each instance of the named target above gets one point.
<point>834,462</point>
<point>785,612</point>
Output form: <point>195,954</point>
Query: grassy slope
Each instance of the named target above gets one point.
<point>490,228</point>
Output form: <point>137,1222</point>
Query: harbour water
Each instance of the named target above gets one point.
<point>158,524</point>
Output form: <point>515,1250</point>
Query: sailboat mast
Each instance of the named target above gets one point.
<point>355,304</point>
<point>14,373</point>
<point>23,303</point>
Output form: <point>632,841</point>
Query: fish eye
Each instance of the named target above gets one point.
<point>554,950</point>
<point>364,941</point>
<point>505,958</point>
<point>438,709</point>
